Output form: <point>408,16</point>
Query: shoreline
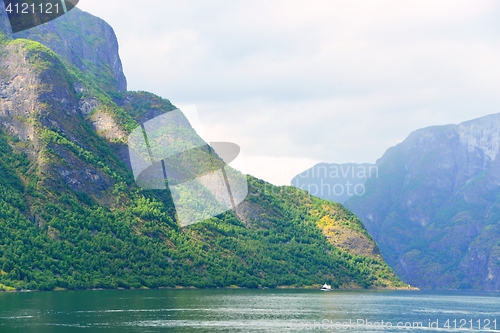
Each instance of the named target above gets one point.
<point>312,287</point>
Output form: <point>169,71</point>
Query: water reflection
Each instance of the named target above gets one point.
<point>242,311</point>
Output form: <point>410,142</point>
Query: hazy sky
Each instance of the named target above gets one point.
<point>300,82</point>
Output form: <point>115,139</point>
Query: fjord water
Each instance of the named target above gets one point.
<point>247,311</point>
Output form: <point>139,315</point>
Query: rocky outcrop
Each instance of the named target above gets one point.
<point>32,83</point>
<point>345,237</point>
<point>434,208</point>
<point>82,40</point>
<point>39,106</point>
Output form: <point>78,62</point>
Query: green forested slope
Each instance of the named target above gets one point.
<point>71,216</point>
<point>81,244</point>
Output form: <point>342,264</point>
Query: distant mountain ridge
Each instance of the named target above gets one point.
<point>434,208</point>
<point>335,182</point>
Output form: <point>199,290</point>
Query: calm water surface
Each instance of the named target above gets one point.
<point>248,311</point>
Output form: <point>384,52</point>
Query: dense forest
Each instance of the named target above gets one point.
<point>84,245</point>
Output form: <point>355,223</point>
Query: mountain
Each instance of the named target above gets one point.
<point>83,41</point>
<point>434,206</point>
<point>71,216</point>
<point>5,28</point>
<point>335,182</point>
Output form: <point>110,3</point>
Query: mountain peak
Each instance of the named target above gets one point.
<point>434,210</point>
<point>482,134</point>
<point>69,37</point>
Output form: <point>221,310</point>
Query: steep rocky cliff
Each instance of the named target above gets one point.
<point>81,40</point>
<point>434,209</point>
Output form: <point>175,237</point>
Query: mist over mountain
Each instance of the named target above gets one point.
<point>72,217</point>
<point>434,207</point>
<point>335,182</point>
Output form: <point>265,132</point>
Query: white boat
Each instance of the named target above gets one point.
<point>326,287</point>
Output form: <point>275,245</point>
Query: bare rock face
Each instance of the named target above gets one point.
<point>88,105</point>
<point>16,80</point>
<point>44,88</point>
<point>32,84</point>
<point>39,106</point>
<point>349,239</point>
<point>68,36</point>
<point>434,209</point>
<point>106,126</point>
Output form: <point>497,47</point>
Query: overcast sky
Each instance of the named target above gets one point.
<point>295,83</point>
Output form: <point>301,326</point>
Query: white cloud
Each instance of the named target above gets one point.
<point>297,82</point>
